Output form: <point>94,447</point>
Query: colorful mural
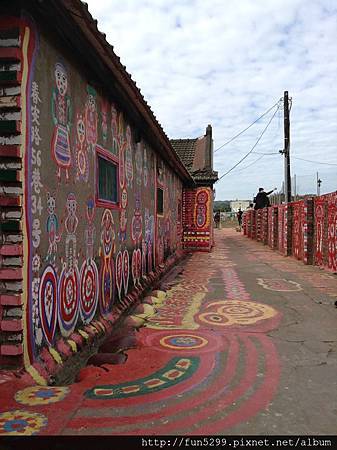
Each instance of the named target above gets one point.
<point>84,256</point>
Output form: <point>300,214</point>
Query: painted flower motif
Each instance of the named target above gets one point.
<point>35,287</point>
<point>16,423</point>
<point>35,312</point>
<point>36,263</point>
<point>41,395</point>
<point>38,335</point>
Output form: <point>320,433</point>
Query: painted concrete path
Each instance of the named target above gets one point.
<point>243,344</point>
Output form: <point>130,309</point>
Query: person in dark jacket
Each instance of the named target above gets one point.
<point>261,199</point>
<point>217,219</point>
<point>239,216</point>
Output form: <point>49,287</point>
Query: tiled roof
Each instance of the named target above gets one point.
<point>205,175</point>
<point>185,149</point>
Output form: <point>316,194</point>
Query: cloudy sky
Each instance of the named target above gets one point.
<point>225,63</point>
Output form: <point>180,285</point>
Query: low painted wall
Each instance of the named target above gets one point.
<point>197,219</point>
<point>325,236</point>
<point>305,229</point>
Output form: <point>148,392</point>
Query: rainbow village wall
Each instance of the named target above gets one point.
<point>71,262</point>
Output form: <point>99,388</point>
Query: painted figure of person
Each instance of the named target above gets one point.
<point>61,112</point>
<point>90,230</point>
<point>114,130</point>
<point>81,158</point>
<point>52,229</point>
<point>91,118</point>
<point>71,224</point>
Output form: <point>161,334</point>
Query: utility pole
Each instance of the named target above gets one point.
<point>319,181</point>
<point>286,151</point>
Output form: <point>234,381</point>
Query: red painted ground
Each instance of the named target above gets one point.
<point>203,364</point>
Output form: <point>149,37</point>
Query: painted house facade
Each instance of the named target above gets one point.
<point>197,156</point>
<point>92,191</point>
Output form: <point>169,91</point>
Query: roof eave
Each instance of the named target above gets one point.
<point>79,14</point>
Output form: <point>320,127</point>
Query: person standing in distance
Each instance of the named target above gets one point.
<point>239,216</point>
<point>261,199</point>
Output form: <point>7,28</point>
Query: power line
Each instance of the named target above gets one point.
<point>315,162</point>
<point>271,153</point>
<point>251,164</point>
<point>241,132</point>
<point>256,160</point>
<point>251,150</point>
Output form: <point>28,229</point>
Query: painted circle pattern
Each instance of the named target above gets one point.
<point>89,290</point>
<point>48,302</point>
<point>41,395</point>
<point>69,300</point>
<point>183,341</point>
<point>17,423</point>
<point>107,287</point>
<point>236,312</point>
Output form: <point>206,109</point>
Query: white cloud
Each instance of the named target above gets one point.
<point>225,63</point>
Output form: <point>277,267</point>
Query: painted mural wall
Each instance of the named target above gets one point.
<point>86,252</point>
<point>197,218</point>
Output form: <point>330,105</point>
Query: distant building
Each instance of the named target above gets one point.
<point>236,204</point>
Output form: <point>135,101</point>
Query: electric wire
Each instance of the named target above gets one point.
<point>251,164</point>
<point>241,132</point>
<point>315,162</point>
<point>258,140</point>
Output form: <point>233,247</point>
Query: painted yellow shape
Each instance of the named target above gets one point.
<point>93,329</point>
<point>166,318</point>
<point>154,382</point>
<point>84,334</point>
<point>130,389</point>
<point>236,312</point>
<point>73,345</point>
<point>34,422</point>
<point>55,355</point>
<point>37,377</point>
<point>99,325</point>
<point>103,391</point>
<point>30,396</point>
<point>173,374</point>
<point>184,363</point>
<point>159,294</point>
<point>136,320</point>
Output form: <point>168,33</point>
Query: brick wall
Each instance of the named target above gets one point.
<point>11,327</point>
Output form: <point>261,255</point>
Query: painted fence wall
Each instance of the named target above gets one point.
<point>197,219</point>
<point>305,229</point>
<point>325,237</point>
<point>82,254</point>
